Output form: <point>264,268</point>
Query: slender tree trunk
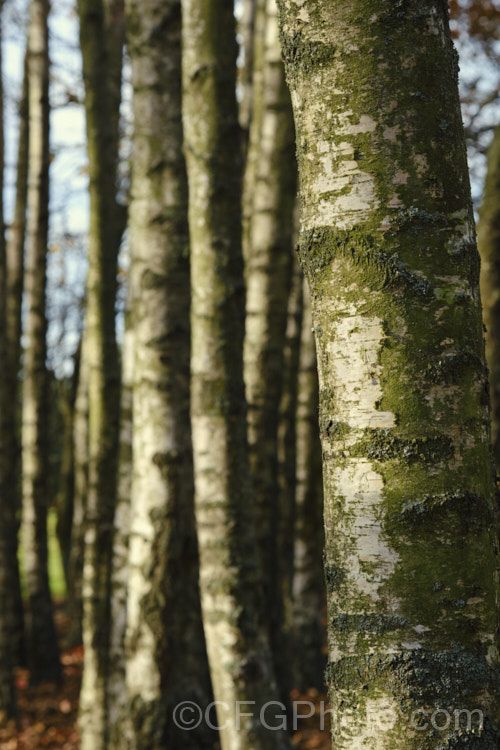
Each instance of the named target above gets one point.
<point>74,606</point>
<point>238,652</point>
<point>66,392</point>
<point>43,654</point>
<point>251,139</point>
<point>308,581</point>
<point>489,248</point>
<point>269,268</point>
<point>388,247</point>
<point>119,720</point>
<point>287,446</point>
<point>101,34</point>
<point>15,272</point>
<point>7,477</point>
<point>245,79</point>
<point>166,659</point>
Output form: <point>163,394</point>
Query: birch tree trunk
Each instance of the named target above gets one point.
<point>42,647</point>
<point>308,537</point>
<point>7,623</point>
<point>388,246</point>
<point>14,294</point>
<point>287,453</point>
<point>268,272</point>
<point>489,249</point>
<point>118,717</point>
<point>102,37</point>
<point>238,652</point>
<point>166,659</point>
<point>74,605</point>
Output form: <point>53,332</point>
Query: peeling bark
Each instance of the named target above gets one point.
<point>388,247</point>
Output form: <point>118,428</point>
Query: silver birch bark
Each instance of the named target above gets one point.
<point>287,453</point>
<point>7,703</point>
<point>268,273</point>
<point>118,718</point>
<point>14,291</point>
<point>388,247</point>
<point>238,652</point>
<point>166,660</point>
<point>74,606</point>
<point>245,78</point>
<point>42,647</point>
<point>308,538</point>
<point>488,237</point>
<point>101,41</point>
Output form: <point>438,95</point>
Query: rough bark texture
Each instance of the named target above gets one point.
<point>308,582</point>
<point>268,272</point>
<point>15,272</point>
<point>166,659</point>
<point>240,662</point>
<point>42,648</point>
<point>101,37</point>
<point>488,237</point>
<point>7,704</point>
<point>388,246</point>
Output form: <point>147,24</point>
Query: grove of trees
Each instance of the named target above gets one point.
<point>270,445</point>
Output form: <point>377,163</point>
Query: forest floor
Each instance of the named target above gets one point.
<point>47,714</point>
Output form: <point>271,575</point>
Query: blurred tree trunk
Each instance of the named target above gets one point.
<point>387,244</point>
<point>308,580</point>
<point>230,582</point>
<point>245,78</point>
<point>15,273</point>
<point>74,606</point>
<point>42,647</point>
<point>251,110</point>
<point>101,39</point>
<point>166,659</point>
<point>268,272</point>
<point>287,453</point>
<point>488,237</point>
<point>119,720</point>
<point>7,474</point>
<point>67,389</point>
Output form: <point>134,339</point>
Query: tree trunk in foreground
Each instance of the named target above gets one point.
<point>488,237</point>
<point>166,659</point>
<point>42,647</point>
<point>230,583</point>
<point>268,272</point>
<point>387,243</point>
<point>102,38</point>
<point>308,537</point>
<point>15,272</point>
